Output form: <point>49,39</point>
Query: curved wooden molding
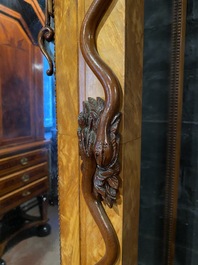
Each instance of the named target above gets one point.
<point>98,135</point>
<point>37,10</point>
<point>19,18</point>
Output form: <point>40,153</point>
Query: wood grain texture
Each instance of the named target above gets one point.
<point>90,236</point>
<point>66,59</point>
<point>131,159</point>
<point>21,83</point>
<point>82,243</point>
<point>69,199</point>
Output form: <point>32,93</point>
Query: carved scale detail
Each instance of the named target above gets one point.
<point>98,135</point>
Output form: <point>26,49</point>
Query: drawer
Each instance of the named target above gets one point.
<point>22,178</point>
<point>14,199</point>
<point>21,161</point>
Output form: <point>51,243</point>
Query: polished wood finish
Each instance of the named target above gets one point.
<point>22,178</point>
<point>132,128</point>
<point>98,137</point>
<point>81,242</point>
<point>18,162</point>
<point>46,34</point>
<point>17,16</point>
<point>19,196</point>
<point>66,50</point>
<point>174,128</point>
<point>99,183</point>
<point>23,150</point>
<point>20,78</point>
<point>35,5</point>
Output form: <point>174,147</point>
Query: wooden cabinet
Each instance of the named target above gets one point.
<point>22,177</point>
<point>23,149</point>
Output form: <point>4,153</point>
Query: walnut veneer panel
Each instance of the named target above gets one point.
<point>21,83</point>
<point>15,67</point>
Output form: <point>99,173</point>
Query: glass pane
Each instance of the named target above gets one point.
<point>187,216</point>
<point>157,48</point>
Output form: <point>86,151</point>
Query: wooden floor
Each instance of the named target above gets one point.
<point>38,250</point>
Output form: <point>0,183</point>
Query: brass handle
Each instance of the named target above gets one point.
<point>25,178</point>
<point>24,161</point>
<point>26,193</point>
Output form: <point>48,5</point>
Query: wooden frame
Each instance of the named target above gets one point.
<point>174,128</point>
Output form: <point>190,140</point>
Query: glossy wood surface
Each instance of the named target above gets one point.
<point>22,161</point>
<point>23,151</point>
<point>110,44</point>
<point>21,83</point>
<point>22,178</point>
<point>21,195</point>
<point>132,109</point>
<point>66,54</point>
<point>81,242</point>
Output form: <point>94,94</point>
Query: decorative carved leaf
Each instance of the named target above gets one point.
<point>113,182</point>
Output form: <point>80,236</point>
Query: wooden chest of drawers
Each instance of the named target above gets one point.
<point>22,177</point>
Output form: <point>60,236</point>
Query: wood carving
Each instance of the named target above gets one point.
<point>174,129</point>
<point>46,35</point>
<point>98,135</point>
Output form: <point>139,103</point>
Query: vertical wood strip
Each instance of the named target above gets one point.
<point>131,149</point>
<point>66,59</point>
<point>174,128</point>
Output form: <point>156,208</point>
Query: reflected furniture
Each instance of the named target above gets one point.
<point>23,149</point>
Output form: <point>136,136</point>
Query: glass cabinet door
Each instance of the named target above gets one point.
<point>154,236</point>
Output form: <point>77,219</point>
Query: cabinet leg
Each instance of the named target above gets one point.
<point>43,205</point>
<point>43,230</point>
<point>2,262</point>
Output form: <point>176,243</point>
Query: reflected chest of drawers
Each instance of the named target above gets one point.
<point>23,178</point>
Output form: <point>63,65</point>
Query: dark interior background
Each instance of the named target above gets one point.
<point>157,49</point>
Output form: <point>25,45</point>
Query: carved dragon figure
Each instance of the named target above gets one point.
<point>98,135</point>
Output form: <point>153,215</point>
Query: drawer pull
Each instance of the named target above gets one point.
<point>26,193</point>
<point>24,161</point>
<point>25,178</point>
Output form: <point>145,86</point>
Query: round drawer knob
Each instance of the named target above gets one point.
<point>26,193</point>
<point>25,178</point>
<point>24,161</point>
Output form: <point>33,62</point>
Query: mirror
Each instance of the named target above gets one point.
<point>29,229</point>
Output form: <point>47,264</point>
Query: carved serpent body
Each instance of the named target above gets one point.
<point>98,136</point>
<point>109,81</point>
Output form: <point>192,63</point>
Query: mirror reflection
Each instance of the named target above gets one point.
<point>28,152</point>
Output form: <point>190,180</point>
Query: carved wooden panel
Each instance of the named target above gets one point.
<point>82,242</point>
